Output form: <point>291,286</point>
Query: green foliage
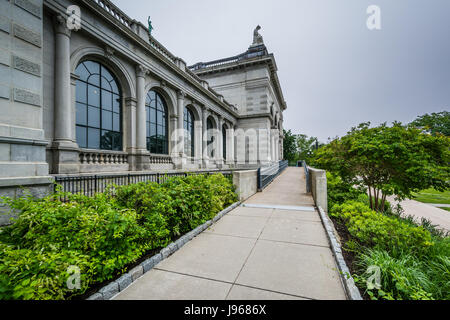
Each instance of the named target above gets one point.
<point>290,147</point>
<point>405,277</point>
<point>395,160</point>
<point>299,147</point>
<point>100,235</point>
<point>372,229</point>
<point>339,192</point>
<point>435,123</point>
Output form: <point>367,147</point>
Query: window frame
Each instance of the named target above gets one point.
<point>114,109</point>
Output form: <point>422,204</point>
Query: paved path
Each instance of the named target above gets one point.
<point>421,210</point>
<point>256,252</point>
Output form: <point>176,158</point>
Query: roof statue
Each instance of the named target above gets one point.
<point>257,38</point>
<point>150,27</point>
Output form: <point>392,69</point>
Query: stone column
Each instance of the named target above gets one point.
<point>173,135</point>
<point>130,131</point>
<point>220,142</point>
<point>142,155</point>
<point>230,145</point>
<point>205,115</point>
<point>141,125</point>
<point>65,149</point>
<point>198,144</point>
<point>63,114</point>
<point>181,161</point>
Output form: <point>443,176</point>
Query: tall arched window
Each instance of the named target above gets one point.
<point>188,125</point>
<point>157,137</point>
<point>224,142</point>
<point>210,137</point>
<point>98,108</point>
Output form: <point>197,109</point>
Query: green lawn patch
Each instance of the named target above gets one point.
<point>433,196</point>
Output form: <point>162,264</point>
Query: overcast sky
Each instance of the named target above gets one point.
<point>334,72</point>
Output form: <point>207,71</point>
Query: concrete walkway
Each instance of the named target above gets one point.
<point>421,210</point>
<point>256,252</point>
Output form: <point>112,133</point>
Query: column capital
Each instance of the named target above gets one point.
<point>141,71</point>
<point>130,102</point>
<point>60,25</point>
<point>181,94</point>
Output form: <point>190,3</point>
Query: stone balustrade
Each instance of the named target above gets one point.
<point>158,159</point>
<point>103,157</point>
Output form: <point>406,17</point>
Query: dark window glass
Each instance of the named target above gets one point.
<point>81,114</point>
<point>188,125</point>
<point>93,138</point>
<point>157,136</point>
<point>93,117</point>
<point>94,96</point>
<point>98,108</point>
<point>107,120</point>
<point>81,137</point>
<point>81,94</point>
<point>210,137</point>
<point>224,142</point>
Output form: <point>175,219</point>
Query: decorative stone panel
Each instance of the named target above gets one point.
<point>27,35</point>
<point>27,97</point>
<point>30,7</point>
<point>26,66</point>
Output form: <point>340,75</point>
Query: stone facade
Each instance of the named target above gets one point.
<point>239,101</point>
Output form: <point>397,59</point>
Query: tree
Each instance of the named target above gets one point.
<point>290,147</point>
<point>397,160</point>
<point>306,147</point>
<point>434,123</point>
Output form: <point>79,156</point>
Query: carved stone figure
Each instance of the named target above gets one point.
<point>257,38</point>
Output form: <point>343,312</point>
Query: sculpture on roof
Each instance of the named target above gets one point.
<point>150,27</point>
<point>257,38</point>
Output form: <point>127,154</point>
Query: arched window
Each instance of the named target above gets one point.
<point>189,132</point>
<point>224,142</point>
<point>210,137</point>
<point>98,108</point>
<point>157,137</point>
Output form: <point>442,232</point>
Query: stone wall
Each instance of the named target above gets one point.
<point>246,183</point>
<point>22,141</point>
<point>318,183</point>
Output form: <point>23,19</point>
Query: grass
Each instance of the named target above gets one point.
<point>433,196</point>
<point>443,208</point>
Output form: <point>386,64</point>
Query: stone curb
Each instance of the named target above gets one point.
<point>113,288</point>
<point>349,284</point>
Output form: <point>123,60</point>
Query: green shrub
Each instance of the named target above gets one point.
<point>100,235</point>
<point>373,229</point>
<point>339,192</point>
<point>405,277</point>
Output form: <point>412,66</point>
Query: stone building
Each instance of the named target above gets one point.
<point>85,89</point>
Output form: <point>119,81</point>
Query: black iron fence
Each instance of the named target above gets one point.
<point>308,185</point>
<point>267,174</point>
<point>90,185</point>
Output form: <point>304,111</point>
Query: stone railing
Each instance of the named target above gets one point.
<point>159,159</point>
<point>109,7</point>
<point>103,157</point>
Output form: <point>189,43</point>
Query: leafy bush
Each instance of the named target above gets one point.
<point>340,192</point>
<point>185,202</point>
<point>100,235</point>
<point>373,229</point>
<point>405,277</point>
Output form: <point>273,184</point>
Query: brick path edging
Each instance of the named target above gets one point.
<point>113,288</point>
<point>351,290</point>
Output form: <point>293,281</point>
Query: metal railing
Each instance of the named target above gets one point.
<point>90,185</point>
<point>308,186</point>
<point>267,174</point>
